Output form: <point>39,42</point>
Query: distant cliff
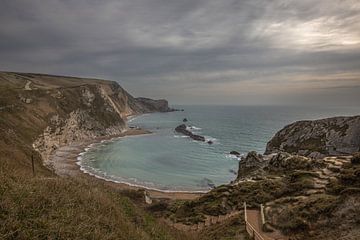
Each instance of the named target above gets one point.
<point>331,136</point>
<point>43,112</point>
<point>151,105</point>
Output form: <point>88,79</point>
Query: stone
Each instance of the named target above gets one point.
<point>250,163</point>
<point>182,129</point>
<point>235,153</point>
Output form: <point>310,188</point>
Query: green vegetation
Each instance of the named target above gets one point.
<point>228,230</point>
<point>67,208</point>
<point>356,158</point>
<point>306,212</point>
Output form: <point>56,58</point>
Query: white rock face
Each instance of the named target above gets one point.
<point>78,127</point>
<point>85,122</point>
<point>87,112</point>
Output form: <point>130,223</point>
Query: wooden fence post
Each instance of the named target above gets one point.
<point>33,165</point>
<point>263,221</point>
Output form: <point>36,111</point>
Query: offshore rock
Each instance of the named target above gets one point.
<point>235,153</point>
<point>182,129</point>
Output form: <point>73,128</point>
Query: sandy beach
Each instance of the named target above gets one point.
<point>64,163</point>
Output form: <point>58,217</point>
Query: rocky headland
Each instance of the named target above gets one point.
<point>308,182</point>
<point>319,138</point>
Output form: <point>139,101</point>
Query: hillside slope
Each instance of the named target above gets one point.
<point>305,197</point>
<point>43,112</point>
<point>39,113</point>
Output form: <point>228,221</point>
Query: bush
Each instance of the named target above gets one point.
<point>356,158</point>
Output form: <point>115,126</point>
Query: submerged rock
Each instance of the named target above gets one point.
<point>205,182</point>
<point>232,171</point>
<point>185,120</point>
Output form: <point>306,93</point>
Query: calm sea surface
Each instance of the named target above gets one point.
<point>168,161</point>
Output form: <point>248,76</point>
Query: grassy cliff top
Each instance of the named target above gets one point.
<point>44,81</point>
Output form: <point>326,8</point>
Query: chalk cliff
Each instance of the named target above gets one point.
<point>44,112</point>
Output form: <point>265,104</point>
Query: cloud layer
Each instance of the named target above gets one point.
<point>193,51</point>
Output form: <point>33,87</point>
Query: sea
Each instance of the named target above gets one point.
<point>169,161</point>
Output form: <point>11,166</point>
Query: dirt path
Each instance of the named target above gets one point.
<point>209,221</point>
<point>254,219</point>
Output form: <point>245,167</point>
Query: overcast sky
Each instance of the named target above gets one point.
<point>193,51</point>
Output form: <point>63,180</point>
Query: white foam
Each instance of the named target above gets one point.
<point>180,136</point>
<point>108,179</point>
<point>209,138</point>
<point>193,128</point>
<point>234,157</point>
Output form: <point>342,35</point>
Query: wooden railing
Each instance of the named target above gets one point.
<point>254,234</point>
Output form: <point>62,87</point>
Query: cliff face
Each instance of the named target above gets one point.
<point>331,136</point>
<point>151,105</point>
<point>44,112</point>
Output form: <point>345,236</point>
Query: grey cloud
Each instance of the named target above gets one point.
<point>156,47</point>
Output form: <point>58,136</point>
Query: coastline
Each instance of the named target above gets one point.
<point>65,163</point>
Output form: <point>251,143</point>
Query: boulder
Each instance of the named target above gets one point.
<point>197,137</point>
<point>235,153</point>
<point>185,120</point>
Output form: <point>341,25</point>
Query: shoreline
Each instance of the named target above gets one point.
<point>65,163</point>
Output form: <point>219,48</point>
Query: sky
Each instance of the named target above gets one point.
<point>236,52</point>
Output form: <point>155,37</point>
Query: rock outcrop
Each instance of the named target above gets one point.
<point>182,129</point>
<point>318,138</point>
<point>249,164</point>
<point>286,162</point>
<point>235,153</point>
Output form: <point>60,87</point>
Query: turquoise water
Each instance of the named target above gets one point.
<point>168,161</point>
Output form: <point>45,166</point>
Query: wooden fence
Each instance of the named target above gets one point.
<point>253,233</point>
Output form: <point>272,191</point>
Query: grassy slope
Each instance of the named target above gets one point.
<point>46,206</point>
<point>58,208</point>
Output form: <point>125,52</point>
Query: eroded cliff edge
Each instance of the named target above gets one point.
<point>318,138</point>
<point>43,112</point>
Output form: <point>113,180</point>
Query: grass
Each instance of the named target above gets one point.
<point>59,208</point>
<point>307,212</point>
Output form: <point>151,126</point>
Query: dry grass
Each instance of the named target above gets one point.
<point>58,208</point>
